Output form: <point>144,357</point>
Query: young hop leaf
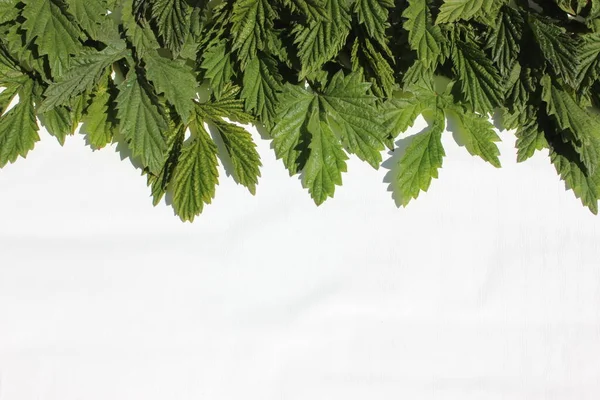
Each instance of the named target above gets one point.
<point>311,9</point>
<point>251,22</point>
<point>58,122</point>
<point>326,160</point>
<point>319,41</point>
<point>589,56</point>
<point>218,67</point>
<point>585,185</point>
<point>480,82</point>
<point>529,139</point>
<point>423,36</point>
<point>354,110</point>
<point>291,133</point>
<point>261,83</point>
<point>142,122</point>
<point>348,118</point>
<point>93,18</point>
<point>180,81</point>
<point>373,14</point>
<point>572,118</point>
<point>240,150</point>
<point>556,46</point>
<point>8,10</point>
<point>196,174</point>
<point>454,10</point>
<point>97,121</point>
<point>505,39</point>
<point>241,153</point>
<point>18,127</point>
<point>175,79</point>
<point>375,67</point>
<point>421,161</point>
<point>478,135</point>
<point>50,28</point>
<point>401,113</point>
<point>172,19</point>
<point>88,70</point>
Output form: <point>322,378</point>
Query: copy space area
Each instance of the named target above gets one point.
<point>486,287</point>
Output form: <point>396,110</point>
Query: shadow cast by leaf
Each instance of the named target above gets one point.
<point>263,132</point>
<point>498,120</point>
<point>222,152</point>
<point>453,126</point>
<point>125,152</point>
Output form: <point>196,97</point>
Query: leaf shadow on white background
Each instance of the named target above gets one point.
<point>125,152</point>
<point>263,132</point>
<point>452,127</point>
<point>498,120</point>
<point>265,135</point>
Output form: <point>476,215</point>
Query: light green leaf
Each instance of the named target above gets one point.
<point>290,133</point>
<point>518,87</point>
<point>175,79</point>
<point>478,135</point>
<point>77,106</point>
<point>8,68</point>
<point>421,161</point>
<point>241,152</point>
<point>8,10</point>
<point>18,127</point>
<point>488,14</point>
<point>418,74</point>
<point>326,160</point>
<point>567,5</point>
<point>142,122</point>
<point>348,104</point>
<point>401,113</point>
<point>96,122</point>
<point>196,176</point>
<point>16,49</point>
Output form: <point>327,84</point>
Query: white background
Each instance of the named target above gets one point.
<point>487,287</point>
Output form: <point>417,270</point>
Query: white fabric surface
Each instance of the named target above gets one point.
<point>487,287</point>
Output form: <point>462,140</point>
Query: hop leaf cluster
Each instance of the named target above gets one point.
<point>326,79</point>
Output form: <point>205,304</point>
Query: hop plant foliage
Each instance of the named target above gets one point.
<point>326,79</point>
